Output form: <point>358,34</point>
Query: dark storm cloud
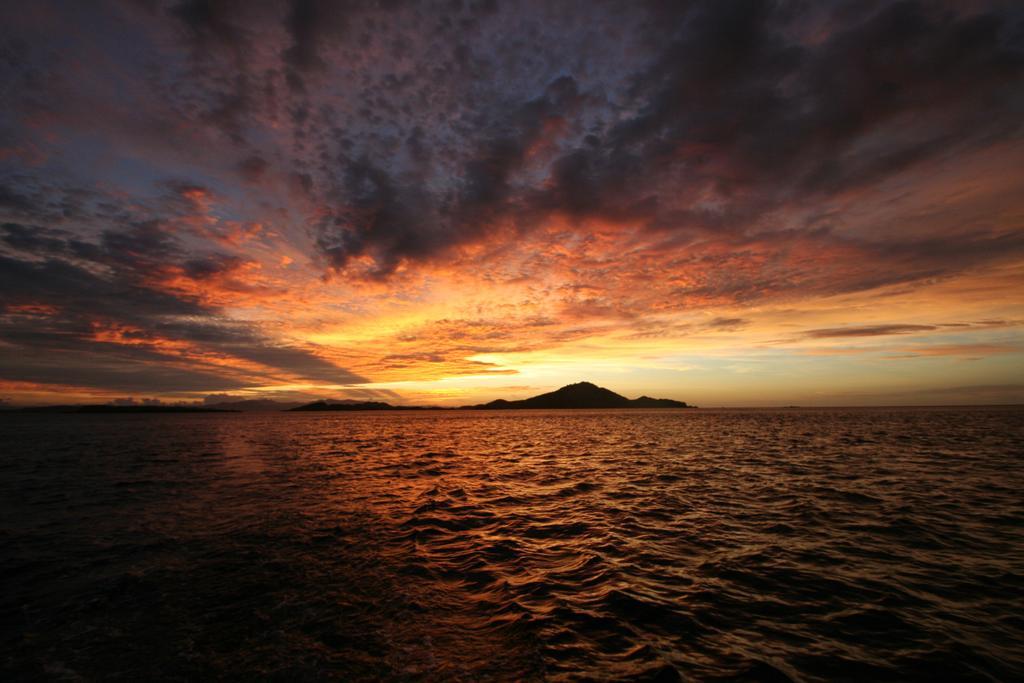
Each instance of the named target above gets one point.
<point>381,134</point>
<point>212,265</point>
<point>109,370</point>
<point>33,238</point>
<point>131,252</point>
<point>732,100</point>
<point>140,313</point>
<point>749,104</point>
<point>393,218</point>
<point>211,21</point>
<point>315,28</point>
<point>83,292</point>
<point>61,294</point>
<point>15,201</point>
<point>219,36</point>
<point>25,198</point>
<point>252,168</point>
<point>311,26</point>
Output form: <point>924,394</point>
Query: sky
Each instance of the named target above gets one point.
<point>726,203</point>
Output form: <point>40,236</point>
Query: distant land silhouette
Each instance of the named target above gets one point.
<point>354,405</point>
<point>253,405</point>
<point>579,395</point>
<point>108,408</point>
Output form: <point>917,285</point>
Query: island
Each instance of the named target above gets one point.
<point>110,408</point>
<point>578,395</point>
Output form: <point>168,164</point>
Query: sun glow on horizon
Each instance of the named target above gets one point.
<point>363,228</point>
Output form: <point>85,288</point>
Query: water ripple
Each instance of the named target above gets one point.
<point>663,545</point>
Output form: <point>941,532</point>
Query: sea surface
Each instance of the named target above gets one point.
<point>769,545</point>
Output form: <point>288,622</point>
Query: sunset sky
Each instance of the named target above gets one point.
<point>727,203</point>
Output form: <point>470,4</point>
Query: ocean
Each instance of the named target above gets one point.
<point>768,545</point>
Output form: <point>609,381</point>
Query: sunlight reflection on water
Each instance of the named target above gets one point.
<point>818,545</point>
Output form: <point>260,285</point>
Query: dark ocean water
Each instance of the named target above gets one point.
<point>703,545</point>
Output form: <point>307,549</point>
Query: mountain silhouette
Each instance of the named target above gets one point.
<point>580,395</point>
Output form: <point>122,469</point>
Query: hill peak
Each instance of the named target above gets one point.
<point>582,395</point>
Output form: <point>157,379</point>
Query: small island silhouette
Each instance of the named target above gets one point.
<point>578,395</point>
<point>110,408</point>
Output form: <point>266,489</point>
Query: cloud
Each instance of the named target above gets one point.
<point>726,324</point>
<point>312,25</point>
<point>109,369</point>
<point>252,168</point>
<point>903,328</point>
<point>711,145</point>
<point>213,399</point>
<point>391,219</point>
<point>971,351</point>
<point>105,309</point>
<point>211,21</point>
<point>867,331</point>
<point>206,184</point>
